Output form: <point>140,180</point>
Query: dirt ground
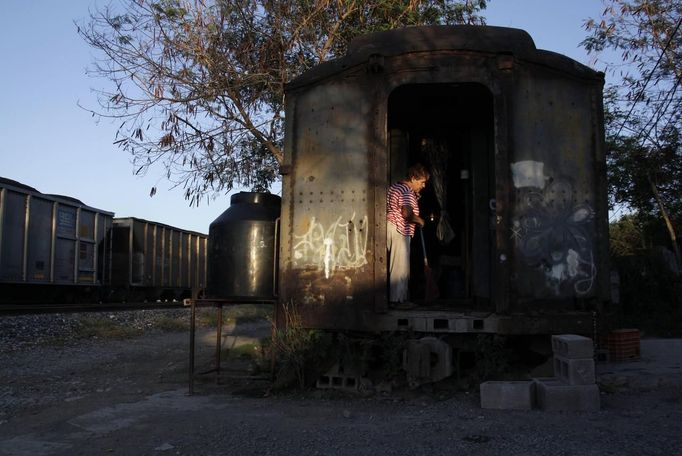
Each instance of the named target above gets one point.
<point>113,397</point>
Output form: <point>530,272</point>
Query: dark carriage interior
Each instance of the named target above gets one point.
<point>449,128</point>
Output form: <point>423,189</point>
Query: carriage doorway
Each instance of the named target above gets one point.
<point>450,129</point>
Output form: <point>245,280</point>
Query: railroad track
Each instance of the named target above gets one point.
<point>39,308</point>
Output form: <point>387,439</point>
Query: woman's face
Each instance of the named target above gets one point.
<point>417,184</point>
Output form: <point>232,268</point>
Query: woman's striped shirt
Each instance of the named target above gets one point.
<point>399,195</point>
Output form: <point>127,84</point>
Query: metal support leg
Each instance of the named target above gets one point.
<point>219,303</point>
<point>273,351</point>
<point>219,331</point>
<point>191,349</point>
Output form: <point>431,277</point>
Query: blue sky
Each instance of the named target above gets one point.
<point>48,142</point>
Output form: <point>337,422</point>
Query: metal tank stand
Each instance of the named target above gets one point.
<point>219,304</point>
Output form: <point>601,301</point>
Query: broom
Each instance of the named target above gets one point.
<point>431,292</point>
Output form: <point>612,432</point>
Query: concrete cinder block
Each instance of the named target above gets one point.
<point>517,395</point>
<point>340,378</point>
<point>572,346</point>
<point>553,395</point>
<point>574,371</point>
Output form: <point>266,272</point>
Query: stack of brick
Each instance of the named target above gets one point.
<point>573,386</point>
<point>623,345</point>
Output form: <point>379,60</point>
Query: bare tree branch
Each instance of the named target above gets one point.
<point>199,84</point>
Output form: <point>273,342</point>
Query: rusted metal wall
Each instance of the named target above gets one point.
<point>328,253</point>
<point>554,177</point>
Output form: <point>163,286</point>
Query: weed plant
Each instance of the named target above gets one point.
<point>300,354</point>
<point>492,357</point>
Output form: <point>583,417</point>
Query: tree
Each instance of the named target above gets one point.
<point>643,110</point>
<point>625,236</point>
<point>199,84</point>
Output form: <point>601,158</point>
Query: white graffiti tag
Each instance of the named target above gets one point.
<point>573,268</point>
<point>341,245</point>
<point>552,232</point>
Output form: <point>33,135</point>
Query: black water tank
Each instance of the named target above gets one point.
<point>242,246</point>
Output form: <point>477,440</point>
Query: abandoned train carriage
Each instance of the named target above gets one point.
<point>513,135</point>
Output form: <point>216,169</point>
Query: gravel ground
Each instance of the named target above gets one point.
<point>21,332</point>
<point>64,391</point>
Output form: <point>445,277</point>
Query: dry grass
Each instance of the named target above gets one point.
<point>102,327</point>
<point>243,312</point>
<point>169,324</point>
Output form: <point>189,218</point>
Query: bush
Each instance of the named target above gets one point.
<point>651,294</point>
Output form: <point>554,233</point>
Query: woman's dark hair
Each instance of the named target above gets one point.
<point>417,171</point>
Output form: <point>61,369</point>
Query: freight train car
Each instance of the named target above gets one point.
<point>517,208</point>
<point>152,261</point>
<point>52,247</point>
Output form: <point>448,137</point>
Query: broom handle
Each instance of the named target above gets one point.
<point>421,236</point>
